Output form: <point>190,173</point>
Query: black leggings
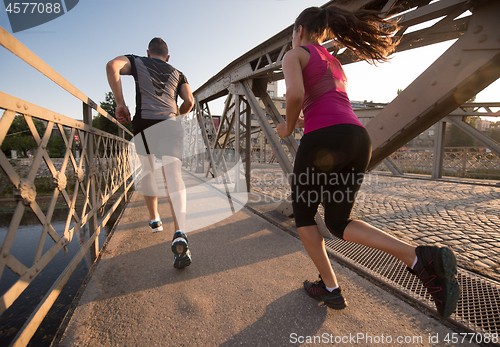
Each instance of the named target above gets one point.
<point>329,169</point>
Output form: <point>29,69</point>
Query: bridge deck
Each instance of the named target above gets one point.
<point>244,287</point>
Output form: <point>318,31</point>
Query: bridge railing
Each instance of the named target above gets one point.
<point>465,162</point>
<point>92,179</point>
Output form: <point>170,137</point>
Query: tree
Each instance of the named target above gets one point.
<point>56,147</point>
<point>104,124</point>
<point>19,137</point>
<point>495,132</point>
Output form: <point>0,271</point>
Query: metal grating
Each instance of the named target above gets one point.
<point>478,309</point>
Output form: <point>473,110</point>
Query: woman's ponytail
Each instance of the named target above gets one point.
<point>364,32</point>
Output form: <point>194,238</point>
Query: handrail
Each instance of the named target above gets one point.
<point>102,176</point>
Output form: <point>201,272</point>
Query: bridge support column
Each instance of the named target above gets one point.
<point>91,180</point>
<point>438,159</point>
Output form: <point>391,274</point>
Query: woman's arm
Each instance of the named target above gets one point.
<point>292,69</point>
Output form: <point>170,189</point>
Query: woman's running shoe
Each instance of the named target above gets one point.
<point>318,291</point>
<point>437,269</point>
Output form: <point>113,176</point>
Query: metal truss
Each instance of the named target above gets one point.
<point>467,67</point>
<point>470,65</point>
<point>469,109</point>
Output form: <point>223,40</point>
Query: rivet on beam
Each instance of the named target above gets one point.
<point>433,83</point>
<point>382,127</point>
<point>5,254</point>
<point>477,29</point>
<point>457,62</point>
<point>18,104</point>
<point>25,106</point>
<point>482,39</point>
<point>414,99</point>
<point>396,115</point>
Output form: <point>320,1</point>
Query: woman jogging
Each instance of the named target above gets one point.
<point>335,151</point>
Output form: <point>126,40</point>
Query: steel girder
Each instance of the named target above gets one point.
<point>468,66</point>
<point>264,61</point>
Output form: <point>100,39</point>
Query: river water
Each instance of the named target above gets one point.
<point>24,249</point>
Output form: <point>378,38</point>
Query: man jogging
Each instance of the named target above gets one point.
<point>158,131</point>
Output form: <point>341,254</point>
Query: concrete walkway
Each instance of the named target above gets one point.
<point>244,287</point>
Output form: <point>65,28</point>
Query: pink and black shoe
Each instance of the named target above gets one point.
<point>437,269</point>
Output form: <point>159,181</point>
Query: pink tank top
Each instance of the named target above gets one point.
<point>325,100</point>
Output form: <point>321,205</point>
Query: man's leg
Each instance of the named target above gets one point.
<point>152,205</point>
<point>176,190</point>
<point>149,190</point>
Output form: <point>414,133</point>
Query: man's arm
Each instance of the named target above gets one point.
<point>187,97</point>
<point>114,68</point>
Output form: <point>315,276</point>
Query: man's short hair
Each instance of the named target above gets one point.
<point>158,47</point>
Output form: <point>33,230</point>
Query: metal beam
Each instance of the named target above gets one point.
<point>270,133</point>
<point>264,61</point>
<point>393,167</point>
<point>276,117</point>
<point>488,142</point>
<point>467,67</point>
<point>201,122</point>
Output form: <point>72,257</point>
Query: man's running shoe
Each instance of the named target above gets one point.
<point>155,226</point>
<point>182,254</point>
<point>318,291</point>
<point>437,269</point>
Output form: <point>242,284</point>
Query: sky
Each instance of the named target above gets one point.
<point>203,37</point>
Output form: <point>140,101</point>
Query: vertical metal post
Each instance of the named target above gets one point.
<point>90,177</point>
<point>188,161</point>
<point>464,163</point>
<point>201,123</point>
<point>437,161</point>
<point>199,155</point>
<point>262,148</point>
<point>238,185</point>
<point>122,145</point>
<point>248,146</point>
